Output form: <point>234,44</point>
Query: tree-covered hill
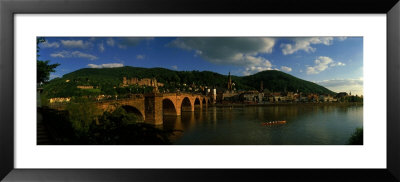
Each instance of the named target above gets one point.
<point>277,81</point>
<point>108,81</point>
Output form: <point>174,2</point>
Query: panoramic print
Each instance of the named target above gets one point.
<point>199,91</point>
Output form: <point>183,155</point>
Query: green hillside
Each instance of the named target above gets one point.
<point>276,81</point>
<point>108,80</point>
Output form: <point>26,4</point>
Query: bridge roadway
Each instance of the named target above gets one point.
<point>152,107</point>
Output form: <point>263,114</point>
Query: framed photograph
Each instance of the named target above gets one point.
<point>152,90</point>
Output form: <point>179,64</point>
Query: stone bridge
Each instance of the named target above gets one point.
<point>152,107</point>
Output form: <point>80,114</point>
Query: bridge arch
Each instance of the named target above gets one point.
<point>169,107</point>
<point>186,105</point>
<point>197,103</point>
<point>134,110</point>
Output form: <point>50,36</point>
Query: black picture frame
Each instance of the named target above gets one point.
<point>8,8</point>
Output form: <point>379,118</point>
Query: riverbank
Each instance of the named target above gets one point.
<point>293,104</point>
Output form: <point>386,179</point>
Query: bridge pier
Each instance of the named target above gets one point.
<point>178,111</point>
<point>153,109</point>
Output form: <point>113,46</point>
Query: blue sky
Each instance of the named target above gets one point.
<point>334,62</point>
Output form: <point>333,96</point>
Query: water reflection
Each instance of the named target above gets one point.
<point>242,125</point>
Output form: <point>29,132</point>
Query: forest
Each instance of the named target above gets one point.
<point>108,81</point>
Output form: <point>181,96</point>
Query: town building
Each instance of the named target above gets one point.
<point>313,97</point>
<point>289,97</point>
<point>214,95</point>
<point>303,98</point>
<point>276,97</point>
<point>251,97</point>
<point>141,82</point>
<point>59,99</point>
<point>326,98</point>
<point>84,87</point>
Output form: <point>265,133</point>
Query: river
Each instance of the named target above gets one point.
<point>306,125</point>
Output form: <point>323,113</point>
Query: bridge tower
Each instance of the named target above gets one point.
<point>229,83</point>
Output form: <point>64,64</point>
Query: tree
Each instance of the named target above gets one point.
<point>82,113</point>
<point>43,67</point>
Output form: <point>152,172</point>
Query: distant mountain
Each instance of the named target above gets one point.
<point>104,80</point>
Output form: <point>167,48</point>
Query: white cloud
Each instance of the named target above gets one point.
<point>76,54</point>
<point>341,38</point>
<point>355,86</point>
<point>338,64</point>
<point>285,68</point>
<point>110,42</point>
<point>83,55</point>
<point>108,65</point>
<point>140,56</point>
<point>175,67</point>
<point>61,54</point>
<point>101,47</point>
<point>322,63</point>
<point>264,65</point>
<point>304,44</point>
<point>47,44</point>
<point>238,51</point>
<point>76,44</point>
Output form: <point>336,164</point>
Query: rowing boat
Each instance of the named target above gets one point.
<point>274,122</point>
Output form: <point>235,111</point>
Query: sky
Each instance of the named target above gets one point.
<point>333,62</point>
